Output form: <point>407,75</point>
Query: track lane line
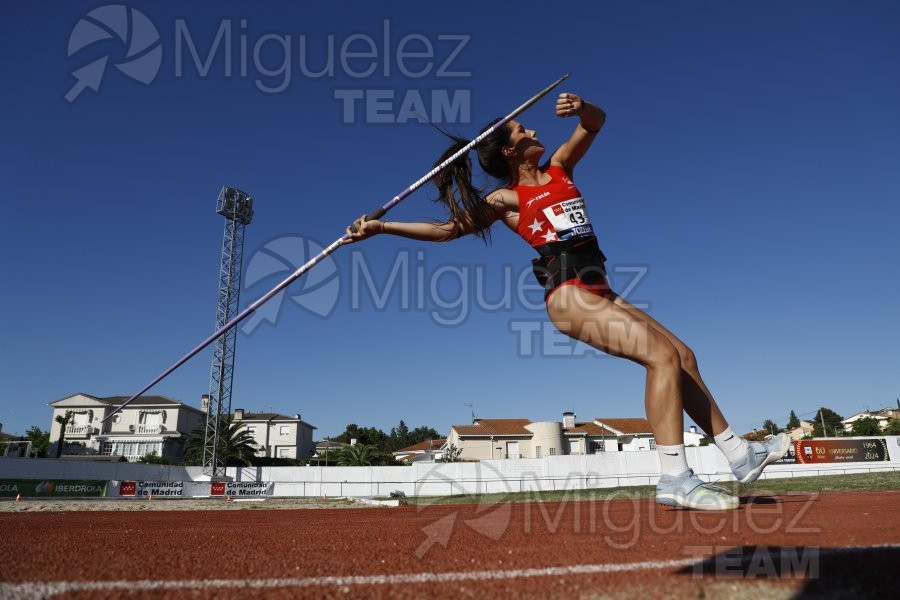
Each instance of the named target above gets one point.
<point>43,590</point>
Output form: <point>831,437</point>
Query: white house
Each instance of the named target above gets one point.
<point>149,424</point>
<point>429,450</point>
<point>276,435</point>
<point>520,438</point>
<point>801,432</point>
<point>882,417</point>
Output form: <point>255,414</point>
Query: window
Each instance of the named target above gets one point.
<point>150,419</point>
<point>106,448</point>
<point>284,453</point>
<point>652,444</point>
<point>552,451</point>
<point>597,447</point>
<point>537,452</point>
<point>285,430</point>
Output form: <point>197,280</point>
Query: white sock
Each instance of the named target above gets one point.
<point>672,460</point>
<point>733,446</point>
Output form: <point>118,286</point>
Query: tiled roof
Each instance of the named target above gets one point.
<point>495,427</point>
<point>626,425</point>
<point>116,400</point>
<point>249,416</point>
<point>589,429</point>
<point>421,446</point>
<point>331,445</point>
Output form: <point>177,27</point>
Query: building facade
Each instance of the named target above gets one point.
<point>162,426</point>
<point>277,435</point>
<point>883,417</point>
<point>148,425</point>
<point>487,439</point>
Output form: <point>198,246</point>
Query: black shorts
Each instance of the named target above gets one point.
<point>577,261</point>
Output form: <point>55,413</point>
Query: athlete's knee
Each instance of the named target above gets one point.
<point>688,360</point>
<point>663,354</point>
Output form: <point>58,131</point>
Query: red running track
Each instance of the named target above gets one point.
<point>794,545</point>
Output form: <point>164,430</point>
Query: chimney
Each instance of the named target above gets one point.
<point>297,416</point>
<point>204,403</point>
<point>693,429</point>
<point>568,420</point>
<point>238,414</point>
<point>352,441</point>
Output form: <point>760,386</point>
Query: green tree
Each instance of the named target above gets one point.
<point>154,459</point>
<point>832,420</point>
<point>893,428</point>
<point>368,436</point>
<point>865,426</point>
<point>359,455</point>
<point>40,441</point>
<point>399,437</point>
<point>423,434</point>
<point>451,454</point>
<point>771,427</point>
<point>63,421</point>
<point>236,446</point>
<point>793,421</point>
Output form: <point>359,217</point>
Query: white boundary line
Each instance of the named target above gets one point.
<point>41,590</point>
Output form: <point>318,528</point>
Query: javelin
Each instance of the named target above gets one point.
<point>376,214</point>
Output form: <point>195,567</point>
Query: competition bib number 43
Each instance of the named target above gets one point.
<point>569,218</point>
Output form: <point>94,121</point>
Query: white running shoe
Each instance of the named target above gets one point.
<point>688,491</point>
<point>759,456</point>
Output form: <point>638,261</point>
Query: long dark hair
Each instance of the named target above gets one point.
<point>464,199</point>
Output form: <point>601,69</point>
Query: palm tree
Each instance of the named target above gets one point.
<point>63,421</point>
<point>359,455</point>
<point>236,445</point>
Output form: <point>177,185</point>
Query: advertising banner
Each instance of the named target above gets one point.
<point>241,489</point>
<point>841,451</point>
<point>168,489</point>
<point>52,488</point>
<point>189,489</point>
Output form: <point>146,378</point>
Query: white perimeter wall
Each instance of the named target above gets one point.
<point>613,469</point>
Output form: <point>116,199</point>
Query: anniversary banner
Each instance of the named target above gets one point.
<point>52,488</point>
<point>840,451</point>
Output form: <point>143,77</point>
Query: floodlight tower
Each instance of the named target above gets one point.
<point>237,208</point>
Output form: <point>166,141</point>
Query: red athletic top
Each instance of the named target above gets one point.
<point>552,212</point>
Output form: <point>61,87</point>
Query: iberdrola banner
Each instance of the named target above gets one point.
<point>52,488</point>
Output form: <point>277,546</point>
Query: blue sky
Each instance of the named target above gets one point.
<point>745,189</point>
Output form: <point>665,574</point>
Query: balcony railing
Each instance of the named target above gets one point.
<point>148,429</point>
<point>78,431</point>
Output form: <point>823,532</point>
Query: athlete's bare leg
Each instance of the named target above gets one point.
<point>698,401</point>
<point>617,330</point>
